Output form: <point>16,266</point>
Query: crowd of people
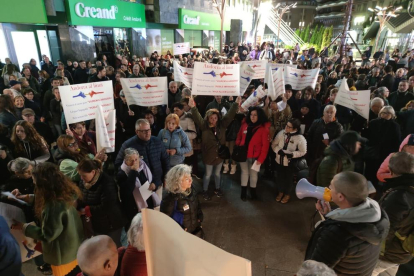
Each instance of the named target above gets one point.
<point>84,205</point>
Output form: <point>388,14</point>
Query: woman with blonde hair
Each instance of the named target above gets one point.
<point>175,140</point>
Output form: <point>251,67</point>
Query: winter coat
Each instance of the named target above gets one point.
<point>306,120</point>
<point>37,156</point>
<point>406,119</point>
<point>314,106</point>
<point>193,216</point>
<point>296,146</point>
<point>234,127</point>
<point>328,168</point>
<point>11,260</point>
<point>154,154</point>
<point>177,140</point>
<point>56,111</point>
<point>174,98</point>
<point>254,55</point>
<point>315,136</point>
<point>349,240</point>
<point>219,106</point>
<point>259,143</point>
<point>278,119</point>
<point>209,143</point>
<point>80,75</point>
<point>399,206</point>
<point>102,201</point>
<point>8,119</point>
<point>132,262</point>
<point>387,81</point>
<point>187,124</point>
<point>399,99</point>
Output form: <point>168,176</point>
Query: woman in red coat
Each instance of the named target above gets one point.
<point>254,136</point>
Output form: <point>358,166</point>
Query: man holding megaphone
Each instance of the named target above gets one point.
<point>349,239</point>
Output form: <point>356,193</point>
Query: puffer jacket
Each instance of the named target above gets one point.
<point>102,201</point>
<point>259,143</point>
<point>398,203</point>
<point>177,140</point>
<point>193,216</point>
<point>209,143</point>
<point>187,124</point>
<point>329,165</point>
<point>296,146</point>
<point>350,247</point>
<point>315,136</point>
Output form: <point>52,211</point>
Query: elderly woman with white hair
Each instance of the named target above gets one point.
<point>314,268</point>
<point>181,203</point>
<point>132,174</point>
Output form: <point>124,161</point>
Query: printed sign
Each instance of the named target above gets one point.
<point>254,98</point>
<point>276,82</point>
<point>183,74</point>
<point>216,79</point>
<point>145,91</point>
<point>259,67</point>
<point>195,20</point>
<point>355,100</point>
<point>105,130</point>
<point>80,101</point>
<point>246,76</point>
<point>299,79</point>
<point>181,48</point>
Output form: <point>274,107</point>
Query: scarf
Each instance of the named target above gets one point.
<point>141,203</point>
<point>93,181</point>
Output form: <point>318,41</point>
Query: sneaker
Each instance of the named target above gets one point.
<point>206,196</point>
<point>45,269</point>
<point>233,169</point>
<point>218,192</point>
<point>226,168</point>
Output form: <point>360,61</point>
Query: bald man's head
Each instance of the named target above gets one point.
<point>98,256</point>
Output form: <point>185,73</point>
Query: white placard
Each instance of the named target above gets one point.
<point>145,91</point>
<point>145,191</point>
<point>299,79</point>
<point>183,74</point>
<point>355,100</point>
<point>254,98</point>
<point>80,101</point>
<point>105,130</point>
<point>246,76</point>
<point>216,79</point>
<point>181,48</point>
<point>259,67</point>
<point>276,85</point>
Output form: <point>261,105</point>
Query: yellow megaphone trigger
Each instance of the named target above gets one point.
<point>327,195</point>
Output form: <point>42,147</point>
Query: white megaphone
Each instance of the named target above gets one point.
<point>306,189</point>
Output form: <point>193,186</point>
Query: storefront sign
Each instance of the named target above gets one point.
<point>167,41</point>
<point>106,13</point>
<point>23,11</point>
<point>194,20</point>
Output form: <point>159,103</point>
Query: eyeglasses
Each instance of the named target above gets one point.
<point>144,131</point>
<point>71,145</point>
<point>289,127</point>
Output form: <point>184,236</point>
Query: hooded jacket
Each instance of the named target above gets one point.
<point>349,239</point>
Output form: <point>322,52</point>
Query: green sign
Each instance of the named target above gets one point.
<point>23,11</point>
<point>106,13</point>
<point>194,20</point>
<point>167,41</point>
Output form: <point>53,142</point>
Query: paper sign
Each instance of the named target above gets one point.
<point>355,100</point>
<point>183,74</point>
<point>8,194</point>
<point>216,79</point>
<point>80,101</point>
<point>276,82</point>
<point>256,167</point>
<point>181,48</point>
<point>302,129</point>
<point>145,91</point>
<point>259,67</point>
<point>299,79</point>
<point>246,76</point>
<point>105,130</point>
<point>325,136</point>
<point>167,244</point>
<point>145,192</point>
<point>254,98</point>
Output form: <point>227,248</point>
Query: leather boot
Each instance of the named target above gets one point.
<point>253,193</point>
<point>243,193</point>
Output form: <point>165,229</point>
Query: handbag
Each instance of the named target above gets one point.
<point>177,215</point>
<point>298,164</point>
<point>239,154</point>
<point>223,150</point>
<point>87,227</point>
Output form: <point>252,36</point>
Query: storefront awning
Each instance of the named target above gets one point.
<point>372,31</point>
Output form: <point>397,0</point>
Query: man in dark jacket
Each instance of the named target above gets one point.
<point>33,83</point>
<point>174,93</point>
<point>152,150</point>
<point>48,66</point>
<point>388,79</point>
<point>81,74</point>
<point>398,203</point>
<point>349,240</point>
<point>401,97</point>
<point>100,75</point>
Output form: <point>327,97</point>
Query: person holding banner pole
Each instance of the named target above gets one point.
<point>213,129</point>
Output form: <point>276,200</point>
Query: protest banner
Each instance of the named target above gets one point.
<point>105,130</point>
<point>299,79</point>
<point>145,91</point>
<point>181,48</point>
<point>274,67</point>
<point>216,79</point>
<point>80,101</point>
<point>276,82</point>
<point>246,76</point>
<point>259,67</point>
<point>254,98</point>
<point>167,244</point>
<point>355,100</point>
<point>183,74</point>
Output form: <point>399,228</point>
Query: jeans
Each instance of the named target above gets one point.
<point>246,171</point>
<point>207,175</point>
<point>284,182</point>
<point>385,268</point>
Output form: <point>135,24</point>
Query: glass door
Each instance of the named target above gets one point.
<point>25,47</point>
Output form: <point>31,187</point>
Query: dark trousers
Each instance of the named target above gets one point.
<point>193,161</point>
<point>284,180</point>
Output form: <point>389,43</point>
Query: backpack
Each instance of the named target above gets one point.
<point>313,169</point>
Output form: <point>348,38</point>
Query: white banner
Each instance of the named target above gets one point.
<point>355,100</point>
<point>181,48</point>
<point>254,98</point>
<point>276,85</point>
<point>259,67</point>
<point>299,79</point>
<point>145,91</point>
<point>105,130</point>
<point>274,67</point>
<point>246,76</point>
<point>80,101</point>
<point>183,74</point>
<point>216,79</point>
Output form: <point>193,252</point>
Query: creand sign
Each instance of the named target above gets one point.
<point>194,20</point>
<point>106,13</point>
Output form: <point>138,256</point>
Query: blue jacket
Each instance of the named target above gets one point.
<point>7,119</point>
<point>10,259</point>
<point>177,140</point>
<point>154,154</point>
